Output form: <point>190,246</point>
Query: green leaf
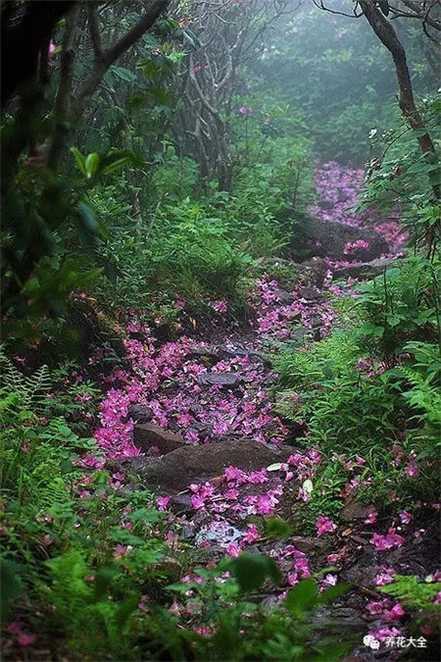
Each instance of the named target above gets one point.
<point>91,164</point>
<point>251,571</point>
<point>125,537</point>
<point>302,597</point>
<point>11,586</point>
<point>123,74</point>
<point>150,516</point>
<point>79,160</point>
<point>276,527</point>
<point>88,219</point>
<point>116,165</point>
<point>334,592</point>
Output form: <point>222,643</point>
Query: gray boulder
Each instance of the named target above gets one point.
<point>313,237</point>
<point>188,464</point>
<point>147,436</point>
<point>365,269</point>
<point>224,379</point>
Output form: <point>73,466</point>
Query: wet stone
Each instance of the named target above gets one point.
<point>140,413</point>
<point>147,436</point>
<point>356,511</point>
<point>329,239</point>
<point>365,269</point>
<point>223,379</point>
<point>189,464</point>
<point>285,298</point>
<point>310,293</point>
<point>209,354</point>
<point>181,503</point>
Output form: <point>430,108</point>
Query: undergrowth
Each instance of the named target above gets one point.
<point>86,564</point>
<point>373,390</point>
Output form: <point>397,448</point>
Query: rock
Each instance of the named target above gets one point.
<point>208,354</point>
<point>313,272</point>
<point>147,436</point>
<point>309,545</point>
<point>203,429</point>
<point>338,619</point>
<point>232,352</point>
<point>365,269</point>
<point>355,511</point>
<point>363,570</point>
<point>310,293</point>
<point>188,464</point>
<point>226,379</point>
<point>181,503</point>
<point>328,239</point>
<point>285,298</point>
<point>299,335</point>
<point>140,413</point>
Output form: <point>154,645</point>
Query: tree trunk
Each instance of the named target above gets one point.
<point>387,35</point>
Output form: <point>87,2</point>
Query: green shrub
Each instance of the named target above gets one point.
<point>365,404</point>
<point>332,357</point>
<point>414,593</point>
<point>403,304</point>
<point>184,252</point>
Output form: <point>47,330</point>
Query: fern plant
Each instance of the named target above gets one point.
<point>423,376</point>
<point>31,389</point>
<point>94,622</point>
<point>332,357</point>
<point>414,593</point>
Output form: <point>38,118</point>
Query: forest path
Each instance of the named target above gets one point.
<point>239,478</point>
<point>194,420</point>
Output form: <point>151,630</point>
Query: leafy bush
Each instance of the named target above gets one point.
<point>174,178</point>
<point>404,177</point>
<point>414,593</point>
<point>404,304</point>
<point>184,252</point>
<point>196,256</point>
<point>376,403</point>
<point>332,357</point>
<point>273,181</point>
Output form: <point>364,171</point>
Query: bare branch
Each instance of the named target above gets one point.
<point>387,35</point>
<point>95,35</point>
<point>63,98</point>
<point>110,56</point>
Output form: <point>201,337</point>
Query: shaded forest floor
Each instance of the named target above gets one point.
<point>234,472</point>
<point>197,421</point>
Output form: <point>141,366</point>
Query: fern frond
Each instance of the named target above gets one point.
<point>38,385</point>
<point>413,592</point>
<point>31,389</point>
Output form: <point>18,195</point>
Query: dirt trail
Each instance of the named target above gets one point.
<point>195,421</point>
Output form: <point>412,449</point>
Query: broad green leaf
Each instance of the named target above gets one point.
<point>91,164</point>
<point>334,592</point>
<point>79,160</point>
<point>251,571</point>
<point>276,527</point>
<point>88,218</point>
<point>116,165</point>
<point>302,597</point>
